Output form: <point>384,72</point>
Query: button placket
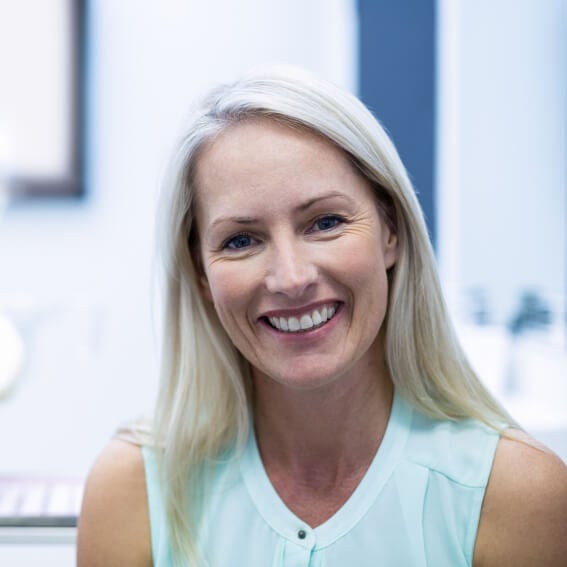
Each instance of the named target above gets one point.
<point>299,551</point>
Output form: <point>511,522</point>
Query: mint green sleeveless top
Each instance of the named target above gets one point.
<point>418,504</point>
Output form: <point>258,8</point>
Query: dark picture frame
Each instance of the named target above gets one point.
<point>68,179</point>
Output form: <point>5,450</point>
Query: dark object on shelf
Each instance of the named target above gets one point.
<point>532,313</point>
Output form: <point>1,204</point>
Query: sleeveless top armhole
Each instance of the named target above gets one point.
<point>488,451</point>
<point>458,456</point>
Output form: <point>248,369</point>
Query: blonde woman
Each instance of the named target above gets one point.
<point>315,408</point>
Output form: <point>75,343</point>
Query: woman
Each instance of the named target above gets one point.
<point>315,406</point>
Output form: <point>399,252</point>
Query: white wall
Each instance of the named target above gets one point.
<point>502,174</point>
<point>502,185</point>
<point>76,277</point>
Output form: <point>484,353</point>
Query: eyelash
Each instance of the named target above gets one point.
<point>338,218</point>
<point>226,243</point>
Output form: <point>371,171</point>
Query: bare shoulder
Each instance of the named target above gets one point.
<point>524,515</point>
<point>114,525</point>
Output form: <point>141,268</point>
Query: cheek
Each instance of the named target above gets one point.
<point>229,292</point>
<point>361,261</point>
<point>366,276</point>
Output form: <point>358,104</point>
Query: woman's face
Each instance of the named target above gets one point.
<point>294,253</point>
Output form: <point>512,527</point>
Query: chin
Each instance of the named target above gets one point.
<point>298,379</point>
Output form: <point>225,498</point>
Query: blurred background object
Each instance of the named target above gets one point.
<point>41,99</point>
<point>474,94</point>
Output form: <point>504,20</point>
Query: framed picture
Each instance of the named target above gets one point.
<point>42,98</point>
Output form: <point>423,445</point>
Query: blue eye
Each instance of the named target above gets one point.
<point>328,222</point>
<point>238,242</point>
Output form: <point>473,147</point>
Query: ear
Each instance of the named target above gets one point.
<point>389,247</point>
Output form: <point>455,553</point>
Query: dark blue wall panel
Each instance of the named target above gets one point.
<point>397,82</point>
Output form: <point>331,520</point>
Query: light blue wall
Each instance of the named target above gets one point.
<point>77,278</point>
<point>507,118</point>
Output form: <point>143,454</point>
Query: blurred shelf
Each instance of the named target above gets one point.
<point>39,509</point>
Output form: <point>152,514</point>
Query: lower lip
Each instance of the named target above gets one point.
<point>308,335</point>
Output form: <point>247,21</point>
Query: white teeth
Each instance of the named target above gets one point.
<point>317,319</point>
<point>293,324</point>
<point>307,321</point>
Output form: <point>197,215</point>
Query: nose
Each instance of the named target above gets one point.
<point>292,270</point>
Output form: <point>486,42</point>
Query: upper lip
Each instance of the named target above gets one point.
<point>297,311</point>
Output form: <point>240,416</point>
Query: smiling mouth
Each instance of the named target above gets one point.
<point>306,322</point>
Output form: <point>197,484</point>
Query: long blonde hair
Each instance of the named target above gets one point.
<point>203,403</point>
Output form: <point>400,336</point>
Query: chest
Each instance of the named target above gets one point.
<point>404,511</point>
<point>378,526</point>
<point>317,499</point>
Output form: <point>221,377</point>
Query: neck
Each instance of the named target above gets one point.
<point>336,428</point>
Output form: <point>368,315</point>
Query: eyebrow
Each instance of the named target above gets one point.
<point>310,202</point>
<point>245,220</point>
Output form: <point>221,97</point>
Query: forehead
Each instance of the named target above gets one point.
<point>254,143</point>
<point>257,160</point>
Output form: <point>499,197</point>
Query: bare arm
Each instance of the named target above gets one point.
<point>114,526</point>
<point>524,515</point>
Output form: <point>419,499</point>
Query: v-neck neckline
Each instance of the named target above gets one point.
<point>276,513</point>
